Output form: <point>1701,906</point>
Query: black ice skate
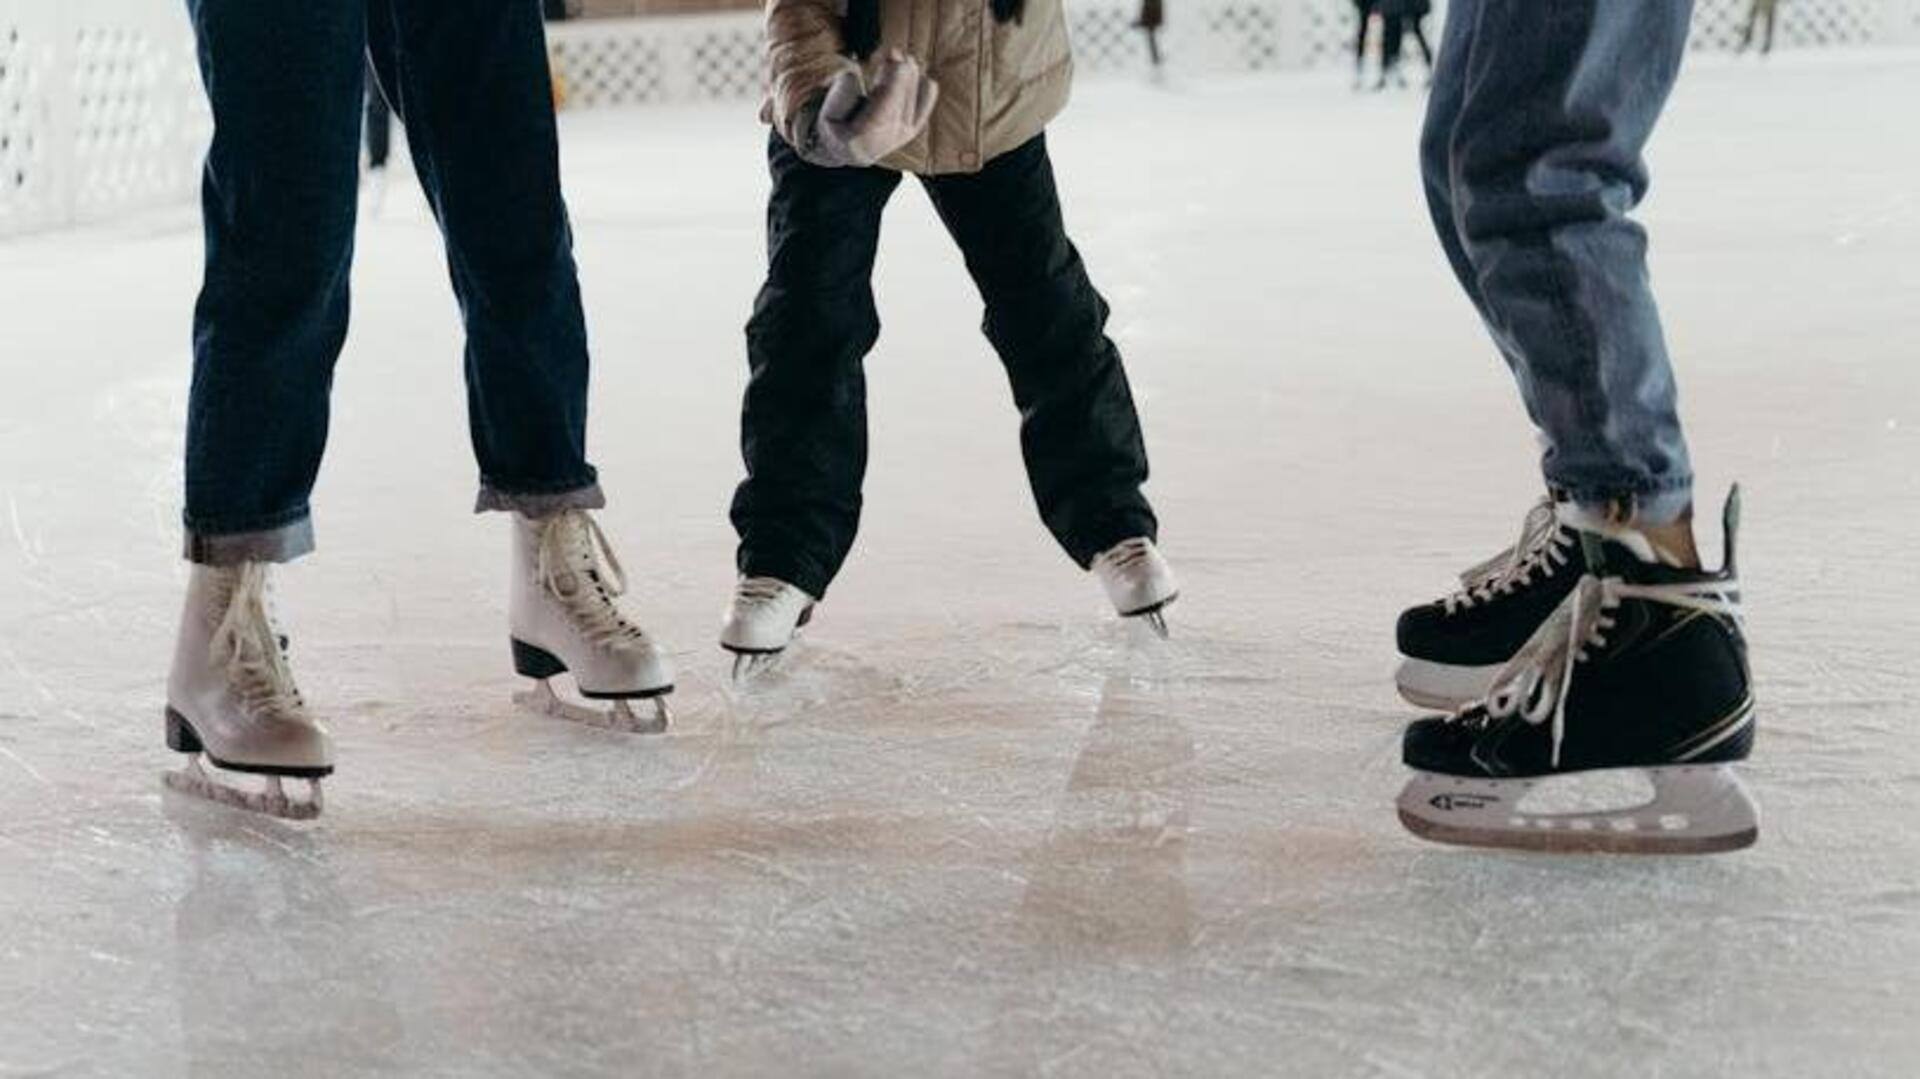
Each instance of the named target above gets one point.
<point>1450,649</point>
<point>1642,666</point>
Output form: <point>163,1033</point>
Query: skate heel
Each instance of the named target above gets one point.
<point>536,663</point>
<point>180,735</point>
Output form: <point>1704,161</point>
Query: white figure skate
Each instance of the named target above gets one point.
<point>565,617</point>
<point>765,615</point>
<point>231,698</point>
<point>1138,581</point>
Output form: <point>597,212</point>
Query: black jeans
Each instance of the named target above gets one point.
<point>286,80</point>
<point>1393,39</point>
<point>803,429</point>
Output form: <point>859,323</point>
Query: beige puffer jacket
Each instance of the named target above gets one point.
<point>1000,83</point>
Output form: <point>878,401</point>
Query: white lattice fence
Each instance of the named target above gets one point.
<point>100,109</point>
<point>641,61</point>
<point>1721,24</point>
<point>647,61</point>
<point>101,112</point>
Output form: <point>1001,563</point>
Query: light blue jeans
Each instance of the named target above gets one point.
<point>1532,162</point>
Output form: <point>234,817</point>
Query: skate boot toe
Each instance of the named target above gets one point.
<point>635,671</point>
<point>764,615</point>
<point>263,744</point>
<point>1417,627</point>
<point>1438,744</point>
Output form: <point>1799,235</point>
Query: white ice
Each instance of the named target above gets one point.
<point>974,827</point>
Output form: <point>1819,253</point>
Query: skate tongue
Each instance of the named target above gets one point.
<point>574,543</point>
<point>1593,523</point>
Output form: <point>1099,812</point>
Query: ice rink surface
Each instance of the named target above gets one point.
<point>974,827</point>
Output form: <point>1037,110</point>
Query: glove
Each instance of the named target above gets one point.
<point>850,128</point>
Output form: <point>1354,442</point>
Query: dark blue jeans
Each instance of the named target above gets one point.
<point>803,427</point>
<point>286,81</point>
<point>1532,160</point>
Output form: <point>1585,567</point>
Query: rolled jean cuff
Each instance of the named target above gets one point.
<point>282,543</point>
<point>539,503</point>
<point>1660,505</point>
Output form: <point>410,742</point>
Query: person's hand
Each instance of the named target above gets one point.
<point>853,129</point>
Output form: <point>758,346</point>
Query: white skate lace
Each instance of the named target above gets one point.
<point>1543,547</point>
<point>572,545</point>
<point>1534,684</point>
<point>247,641</point>
<point>1127,553</point>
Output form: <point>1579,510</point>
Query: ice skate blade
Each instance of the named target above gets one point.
<point>1154,617</point>
<point>1440,686</point>
<point>1695,809</point>
<point>619,717</point>
<point>748,666</point>
<point>273,801</point>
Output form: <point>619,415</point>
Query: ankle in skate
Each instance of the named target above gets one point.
<point>565,617</point>
<point>1138,581</point>
<point>1450,649</point>
<point>762,619</point>
<point>1641,666</point>
<point>231,699</point>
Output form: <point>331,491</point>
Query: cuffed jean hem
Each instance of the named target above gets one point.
<point>539,503</point>
<point>280,544</point>
<point>801,573</point>
<point>1661,505</point>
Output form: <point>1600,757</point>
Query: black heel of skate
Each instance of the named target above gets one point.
<point>180,735</point>
<point>538,663</point>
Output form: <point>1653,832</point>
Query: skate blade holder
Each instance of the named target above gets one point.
<point>272,800</point>
<point>748,666</point>
<point>619,716</point>
<point>1694,809</point>
<point>1154,617</point>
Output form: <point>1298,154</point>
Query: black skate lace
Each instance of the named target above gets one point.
<point>247,641</point>
<point>1534,684</point>
<point>572,544</point>
<point>1543,547</point>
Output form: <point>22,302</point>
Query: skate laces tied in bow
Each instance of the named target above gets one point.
<point>247,641</point>
<point>573,546</point>
<point>1543,547</point>
<point>1534,684</point>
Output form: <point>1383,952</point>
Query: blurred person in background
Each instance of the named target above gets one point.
<point>1153,15</point>
<point>1762,11</point>
<point>1364,11</point>
<point>1397,19</point>
<point>379,123</point>
<point>851,112</point>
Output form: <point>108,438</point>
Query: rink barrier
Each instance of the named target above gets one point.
<point>101,112</point>
<point>625,62</point>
